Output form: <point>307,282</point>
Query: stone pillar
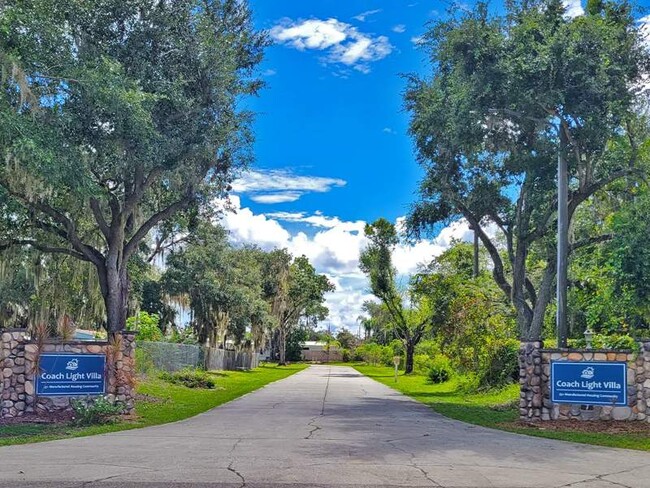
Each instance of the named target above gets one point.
<point>127,367</point>
<point>12,359</point>
<point>530,381</point>
<point>642,377</point>
<point>120,360</point>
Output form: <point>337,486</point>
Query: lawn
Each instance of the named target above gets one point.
<point>497,409</point>
<point>162,402</point>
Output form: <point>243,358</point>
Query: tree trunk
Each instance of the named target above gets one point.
<point>410,350</point>
<point>282,339</point>
<point>544,297</point>
<point>114,284</point>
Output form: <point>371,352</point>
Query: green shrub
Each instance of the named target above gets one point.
<point>95,411</point>
<point>395,348</point>
<point>346,355</point>
<point>147,326</point>
<point>468,383</point>
<point>440,370</point>
<point>371,353</point>
<point>190,378</point>
<point>422,363</point>
<point>357,354</point>
<point>387,355</point>
<point>501,367</point>
<point>614,342</point>
<point>428,348</point>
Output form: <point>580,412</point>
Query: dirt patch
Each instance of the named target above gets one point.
<point>141,397</point>
<point>604,427</point>
<point>60,417</point>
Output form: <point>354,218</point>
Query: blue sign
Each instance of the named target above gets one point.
<point>71,374</point>
<point>589,383</point>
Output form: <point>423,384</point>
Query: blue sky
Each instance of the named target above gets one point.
<point>323,117</point>
<point>332,149</point>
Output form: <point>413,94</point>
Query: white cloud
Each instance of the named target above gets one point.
<point>408,259</point>
<point>277,197</point>
<point>364,15</point>
<point>247,227</point>
<point>342,42</point>
<point>388,130</point>
<point>269,72</point>
<point>318,220</point>
<point>278,186</point>
<point>573,8</point>
<point>399,28</point>
<point>333,246</point>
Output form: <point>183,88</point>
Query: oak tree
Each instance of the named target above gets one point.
<point>115,115</point>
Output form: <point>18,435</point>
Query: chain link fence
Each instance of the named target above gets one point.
<point>170,357</point>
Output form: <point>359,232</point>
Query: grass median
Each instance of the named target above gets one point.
<point>158,402</point>
<point>499,410</point>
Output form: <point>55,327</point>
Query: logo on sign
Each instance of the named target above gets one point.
<point>587,373</point>
<point>73,364</point>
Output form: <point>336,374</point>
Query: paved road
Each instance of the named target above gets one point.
<point>323,427</point>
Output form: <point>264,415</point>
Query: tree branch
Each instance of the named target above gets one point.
<point>90,253</point>
<point>589,241</point>
<point>42,247</point>
<point>498,271</point>
<point>99,217</point>
<point>530,288</point>
<point>161,246</point>
<point>581,195</point>
<point>142,232</point>
<point>139,190</point>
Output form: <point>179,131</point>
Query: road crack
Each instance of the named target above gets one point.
<point>601,477</point>
<point>234,446</point>
<point>312,422</point>
<point>413,464</point>
<point>314,428</point>
<point>234,471</point>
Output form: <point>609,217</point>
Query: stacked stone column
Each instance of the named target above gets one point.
<point>14,372</point>
<point>530,381</point>
<point>121,380</point>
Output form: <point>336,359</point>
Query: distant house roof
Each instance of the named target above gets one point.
<point>85,335</point>
<point>318,345</point>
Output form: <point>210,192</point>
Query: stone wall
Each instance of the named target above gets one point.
<point>18,363</point>
<point>535,394</point>
<point>530,381</point>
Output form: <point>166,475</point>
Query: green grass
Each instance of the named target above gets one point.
<point>496,409</point>
<point>172,403</point>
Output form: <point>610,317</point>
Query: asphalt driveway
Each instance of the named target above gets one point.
<point>323,427</point>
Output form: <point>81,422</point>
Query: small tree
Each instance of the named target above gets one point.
<point>346,339</point>
<point>295,291</point>
<point>409,323</point>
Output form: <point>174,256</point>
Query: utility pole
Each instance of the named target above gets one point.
<point>562,241</point>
